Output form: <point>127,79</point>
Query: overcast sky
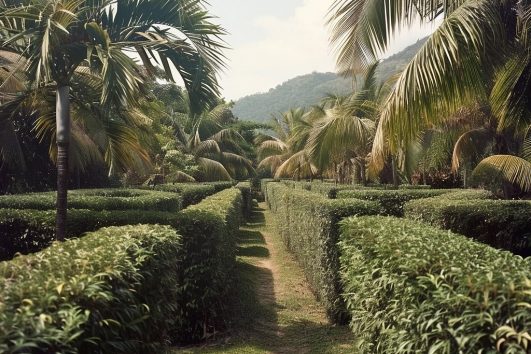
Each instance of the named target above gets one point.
<point>275,40</point>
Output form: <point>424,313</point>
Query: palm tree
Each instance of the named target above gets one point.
<point>342,136</point>
<point>285,154</point>
<point>58,37</point>
<point>478,52</point>
<point>215,146</point>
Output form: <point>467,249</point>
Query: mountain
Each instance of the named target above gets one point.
<point>307,90</point>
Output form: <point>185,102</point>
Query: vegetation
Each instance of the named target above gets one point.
<point>96,293</point>
<point>475,58</point>
<point>98,199</point>
<point>412,287</point>
<point>308,225</point>
<point>501,224</point>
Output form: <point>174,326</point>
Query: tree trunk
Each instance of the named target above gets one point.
<point>395,173</point>
<point>363,172</point>
<point>62,116</point>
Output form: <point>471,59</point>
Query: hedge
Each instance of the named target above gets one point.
<point>412,288</point>
<point>97,199</point>
<point>502,224</point>
<point>114,290</point>
<point>221,185</point>
<point>392,201</point>
<point>206,264</point>
<point>308,225</point>
<point>27,231</point>
<point>209,232</point>
<point>245,189</point>
<point>191,193</point>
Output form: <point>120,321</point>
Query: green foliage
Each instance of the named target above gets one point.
<point>27,230</point>
<point>205,264</point>
<point>97,199</point>
<point>412,288</point>
<point>392,201</point>
<point>209,232</point>
<point>500,223</point>
<point>308,224</point>
<point>191,193</point>
<point>114,290</point>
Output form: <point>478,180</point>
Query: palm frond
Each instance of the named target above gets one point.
<point>470,146</point>
<point>447,73</point>
<point>513,169</point>
<point>213,170</point>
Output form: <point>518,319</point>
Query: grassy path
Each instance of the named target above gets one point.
<point>276,311</point>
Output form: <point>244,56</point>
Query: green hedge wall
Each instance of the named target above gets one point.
<point>502,224</point>
<point>412,288</point>
<point>191,193</point>
<point>308,224</point>
<point>393,201</point>
<point>206,263</point>
<point>114,290</point>
<point>97,199</point>
<point>27,231</point>
<point>209,232</point>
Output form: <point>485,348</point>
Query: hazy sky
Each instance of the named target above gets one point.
<point>275,40</point>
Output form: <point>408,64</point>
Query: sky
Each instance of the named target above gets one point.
<point>273,41</point>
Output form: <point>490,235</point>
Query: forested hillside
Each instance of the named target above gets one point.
<point>306,90</point>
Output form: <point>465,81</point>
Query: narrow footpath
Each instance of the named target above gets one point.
<point>275,312</point>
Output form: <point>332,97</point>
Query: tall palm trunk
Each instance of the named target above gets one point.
<point>395,172</point>
<point>62,117</point>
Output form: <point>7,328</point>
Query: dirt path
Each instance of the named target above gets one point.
<point>276,312</point>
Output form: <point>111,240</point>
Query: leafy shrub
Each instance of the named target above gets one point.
<point>27,231</point>
<point>114,290</point>
<point>414,186</point>
<point>191,193</point>
<point>220,186</point>
<point>502,224</point>
<point>412,288</point>
<point>209,232</point>
<point>206,264</point>
<point>308,224</point>
<point>392,201</point>
<point>97,199</point>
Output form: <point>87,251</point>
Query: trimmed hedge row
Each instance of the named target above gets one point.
<point>209,232</point>
<point>205,267</point>
<point>393,201</point>
<point>28,231</point>
<point>308,225</point>
<point>97,199</point>
<point>114,290</point>
<point>412,288</point>
<point>191,193</point>
<point>502,224</point>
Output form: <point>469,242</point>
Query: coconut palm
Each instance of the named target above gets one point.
<point>215,146</point>
<point>341,138</point>
<point>285,154</point>
<point>480,50</point>
<point>58,37</point>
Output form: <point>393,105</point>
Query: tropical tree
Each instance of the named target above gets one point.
<point>215,145</point>
<point>480,51</point>
<point>284,152</point>
<point>341,137</point>
<point>59,37</point>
